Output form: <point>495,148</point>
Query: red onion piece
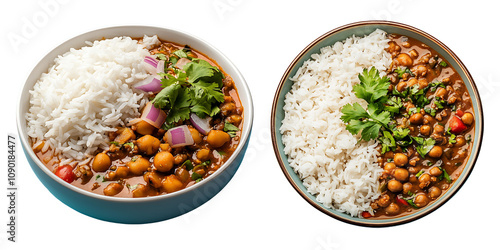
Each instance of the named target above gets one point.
<point>151,65</point>
<point>179,136</point>
<point>152,83</point>
<point>181,62</point>
<point>202,125</point>
<point>235,97</point>
<point>153,115</point>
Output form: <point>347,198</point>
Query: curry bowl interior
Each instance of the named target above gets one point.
<point>362,29</point>
<point>56,184</point>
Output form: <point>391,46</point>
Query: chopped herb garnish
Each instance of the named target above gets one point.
<point>161,56</point>
<point>443,64</point>
<point>188,164</point>
<point>424,145</point>
<point>230,129</point>
<point>419,173</point>
<point>403,70</point>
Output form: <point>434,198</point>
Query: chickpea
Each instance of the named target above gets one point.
<point>394,186</point>
<point>197,137</point>
<point>428,119</point>
<point>436,152</point>
<point>407,187</point>
<point>203,154</point>
<point>421,200</point>
<point>413,53</point>
<point>384,200</point>
<point>400,159</point>
<point>435,171</point>
<point>138,165</point>
<point>460,141</point>
<point>468,118</point>
<point>140,191</point>
<point>425,180</point>
<point>217,138</point>
<point>101,162</point>
<point>180,158</point>
<point>413,170</point>
<point>113,189</point>
<point>148,144</point>
<point>422,83</point>
<point>182,174</point>
<point>404,59</point>
<point>401,174</point>
<point>122,172</point>
<point>411,82</point>
<point>171,184</point>
<point>441,93</point>
<point>389,167</point>
<point>392,209</point>
<point>163,161</point>
<point>153,179</point>
<point>416,119</point>
<point>434,192</point>
<point>144,128</point>
<point>401,86</point>
<point>227,108</point>
<point>393,47</point>
<point>235,119</point>
<point>438,129</point>
<point>165,147</point>
<point>425,130</point>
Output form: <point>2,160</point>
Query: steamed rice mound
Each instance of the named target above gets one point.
<point>84,95</point>
<point>334,165</point>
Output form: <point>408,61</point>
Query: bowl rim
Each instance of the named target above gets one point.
<point>400,219</point>
<point>243,90</point>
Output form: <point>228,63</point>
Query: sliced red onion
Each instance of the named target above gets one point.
<point>202,125</point>
<point>153,115</point>
<point>150,64</point>
<point>153,66</point>
<point>179,136</point>
<point>235,97</point>
<point>152,83</point>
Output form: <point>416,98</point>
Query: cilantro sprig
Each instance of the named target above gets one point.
<point>373,89</point>
<point>197,88</point>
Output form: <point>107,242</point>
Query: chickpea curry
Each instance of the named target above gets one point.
<point>189,128</point>
<point>422,115</point>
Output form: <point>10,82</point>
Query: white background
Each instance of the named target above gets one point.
<point>258,209</point>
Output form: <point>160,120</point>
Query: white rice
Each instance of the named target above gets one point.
<point>339,171</point>
<point>85,94</point>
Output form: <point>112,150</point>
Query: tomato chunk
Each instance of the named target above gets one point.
<point>65,172</point>
<point>366,214</point>
<point>456,125</point>
<point>459,113</point>
<point>402,201</point>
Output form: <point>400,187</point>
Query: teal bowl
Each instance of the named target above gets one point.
<point>362,29</point>
<point>147,209</point>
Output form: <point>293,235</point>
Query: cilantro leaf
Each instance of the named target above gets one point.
<point>372,87</point>
<point>387,141</point>
<point>167,96</point>
<point>230,129</point>
<point>403,70</point>
<point>424,145</point>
